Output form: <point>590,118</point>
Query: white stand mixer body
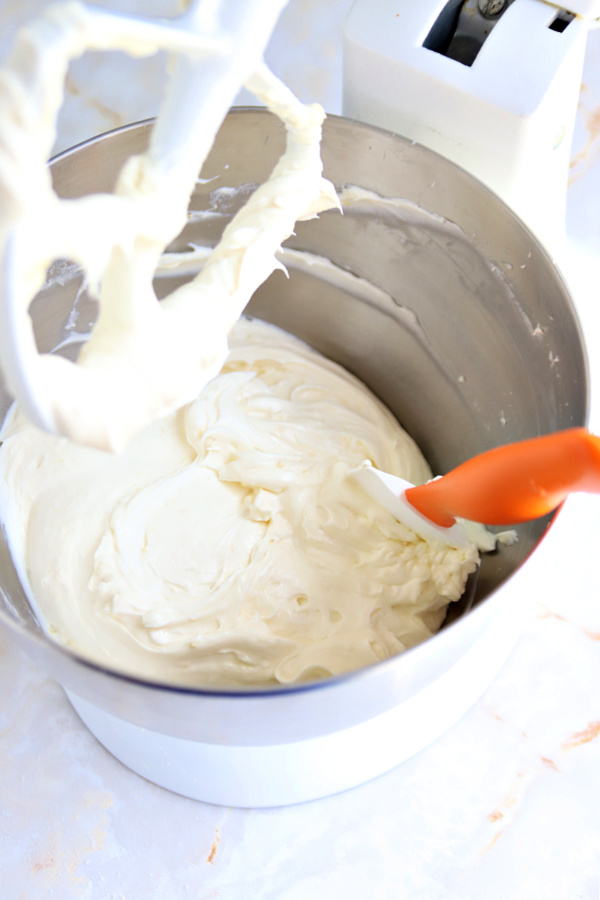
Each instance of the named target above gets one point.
<point>507,118</point>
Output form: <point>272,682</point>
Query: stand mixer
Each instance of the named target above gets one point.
<point>493,85</point>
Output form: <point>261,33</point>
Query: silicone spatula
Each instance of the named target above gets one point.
<point>504,486</point>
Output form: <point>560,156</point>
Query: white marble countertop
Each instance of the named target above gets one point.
<point>505,805</point>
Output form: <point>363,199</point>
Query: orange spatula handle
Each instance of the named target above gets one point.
<point>513,483</point>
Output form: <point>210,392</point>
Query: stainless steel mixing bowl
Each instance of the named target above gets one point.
<point>472,341</point>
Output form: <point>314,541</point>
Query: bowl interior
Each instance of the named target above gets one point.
<point>437,297</point>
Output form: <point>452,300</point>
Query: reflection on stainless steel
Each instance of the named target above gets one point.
<point>463,26</point>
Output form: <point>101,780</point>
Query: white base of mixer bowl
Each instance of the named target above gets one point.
<point>284,774</point>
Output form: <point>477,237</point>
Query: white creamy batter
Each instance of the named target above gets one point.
<point>227,545</point>
<point>144,358</point>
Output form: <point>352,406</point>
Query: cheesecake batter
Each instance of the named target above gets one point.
<point>143,358</point>
<point>227,545</point>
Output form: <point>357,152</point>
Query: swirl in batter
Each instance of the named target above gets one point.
<point>226,545</point>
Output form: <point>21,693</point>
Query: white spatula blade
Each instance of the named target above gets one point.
<point>389,491</point>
